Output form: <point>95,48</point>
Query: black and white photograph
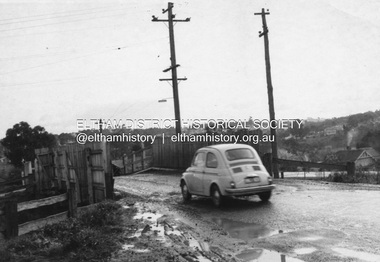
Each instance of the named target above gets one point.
<point>189,130</point>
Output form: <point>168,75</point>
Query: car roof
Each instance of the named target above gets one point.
<point>224,147</point>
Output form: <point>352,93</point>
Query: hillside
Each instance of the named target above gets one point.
<point>316,139</point>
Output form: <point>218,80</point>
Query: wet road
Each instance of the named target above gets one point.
<point>306,221</point>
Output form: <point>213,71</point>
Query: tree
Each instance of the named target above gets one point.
<point>65,138</point>
<point>21,141</point>
<point>301,131</point>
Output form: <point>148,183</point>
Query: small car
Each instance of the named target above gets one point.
<point>225,170</point>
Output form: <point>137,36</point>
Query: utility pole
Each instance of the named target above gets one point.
<point>173,66</point>
<point>100,126</point>
<point>270,91</point>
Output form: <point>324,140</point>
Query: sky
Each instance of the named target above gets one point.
<point>61,61</point>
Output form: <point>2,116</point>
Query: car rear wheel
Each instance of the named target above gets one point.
<point>185,192</point>
<point>216,196</point>
<point>265,196</point>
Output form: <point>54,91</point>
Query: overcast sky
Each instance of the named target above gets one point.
<point>61,61</point>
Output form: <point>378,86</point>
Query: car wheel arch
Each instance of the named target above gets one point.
<point>183,181</point>
<point>211,186</point>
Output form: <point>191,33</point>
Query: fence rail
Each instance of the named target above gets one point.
<point>349,167</point>
<point>82,172</point>
<point>306,164</point>
<point>138,161</point>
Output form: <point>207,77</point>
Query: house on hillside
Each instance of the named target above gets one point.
<point>361,157</point>
<point>374,153</point>
<point>329,131</point>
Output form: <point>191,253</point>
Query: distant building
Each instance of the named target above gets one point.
<point>315,120</point>
<point>374,153</point>
<point>361,157</point>
<point>330,131</point>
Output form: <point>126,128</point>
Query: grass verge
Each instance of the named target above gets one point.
<point>93,236</point>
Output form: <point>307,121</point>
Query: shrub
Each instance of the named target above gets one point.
<point>104,213</point>
<point>81,239</point>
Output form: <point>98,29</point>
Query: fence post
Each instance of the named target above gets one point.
<point>57,170</point>
<point>350,168</point>
<point>89,176</point>
<point>72,197</point>
<point>37,178</point>
<point>142,158</point>
<point>65,169</point>
<point>109,185</point>
<point>267,161</point>
<point>11,220</point>
<point>124,172</point>
<point>133,161</point>
<point>107,166</point>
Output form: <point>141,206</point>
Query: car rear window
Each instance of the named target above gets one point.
<point>240,153</point>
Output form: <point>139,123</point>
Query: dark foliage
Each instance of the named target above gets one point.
<point>21,141</point>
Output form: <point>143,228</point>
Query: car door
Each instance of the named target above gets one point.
<point>210,171</point>
<point>197,169</point>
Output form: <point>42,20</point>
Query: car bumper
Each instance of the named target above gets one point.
<point>248,191</point>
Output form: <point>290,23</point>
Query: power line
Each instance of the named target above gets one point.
<point>60,31</point>
<point>75,51</point>
<point>77,57</point>
<point>65,80</point>
<point>57,23</point>
<point>62,16</point>
<point>66,12</point>
<point>55,13</point>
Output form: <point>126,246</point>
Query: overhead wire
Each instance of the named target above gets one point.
<point>64,14</point>
<point>61,31</point>
<point>67,12</point>
<point>55,17</point>
<point>77,57</point>
<point>57,23</point>
<point>49,14</point>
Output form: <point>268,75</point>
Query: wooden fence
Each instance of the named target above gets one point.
<point>285,164</point>
<point>87,167</point>
<point>177,155</point>
<point>82,175</point>
<point>165,154</point>
<point>138,161</point>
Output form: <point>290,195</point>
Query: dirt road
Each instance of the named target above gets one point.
<point>304,220</point>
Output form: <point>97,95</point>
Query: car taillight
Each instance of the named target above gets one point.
<point>232,184</point>
<point>270,181</point>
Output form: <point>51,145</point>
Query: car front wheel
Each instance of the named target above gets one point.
<point>185,192</point>
<point>216,196</point>
<point>265,196</point>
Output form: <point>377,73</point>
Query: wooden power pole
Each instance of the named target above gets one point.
<point>270,91</point>
<point>173,66</point>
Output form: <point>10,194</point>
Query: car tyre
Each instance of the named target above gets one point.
<point>265,196</point>
<point>216,196</point>
<point>185,192</point>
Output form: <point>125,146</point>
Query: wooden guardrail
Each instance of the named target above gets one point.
<point>10,209</point>
<point>8,186</point>
<point>349,167</point>
<point>83,172</point>
<point>306,164</point>
<point>138,160</point>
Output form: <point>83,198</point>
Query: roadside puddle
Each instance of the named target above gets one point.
<point>305,250</point>
<point>243,230</point>
<point>159,229</point>
<point>364,256</point>
<point>247,231</point>
<point>263,255</point>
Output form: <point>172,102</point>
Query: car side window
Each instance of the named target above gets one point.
<point>199,159</point>
<point>211,161</point>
